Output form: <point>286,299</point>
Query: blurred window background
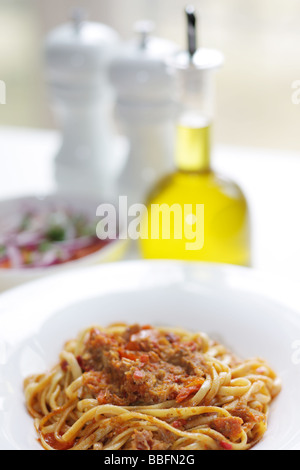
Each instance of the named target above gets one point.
<point>260,40</point>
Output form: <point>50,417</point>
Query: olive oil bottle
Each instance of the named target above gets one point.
<point>194,213</point>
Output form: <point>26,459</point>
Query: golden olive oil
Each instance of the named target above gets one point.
<point>192,150</point>
<point>195,214</point>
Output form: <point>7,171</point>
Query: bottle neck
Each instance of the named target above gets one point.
<point>193,148</point>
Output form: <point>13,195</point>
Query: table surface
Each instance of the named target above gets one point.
<point>269,178</point>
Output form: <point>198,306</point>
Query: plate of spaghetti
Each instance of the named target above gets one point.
<point>149,356</point>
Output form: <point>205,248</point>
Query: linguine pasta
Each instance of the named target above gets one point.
<point>144,388</point>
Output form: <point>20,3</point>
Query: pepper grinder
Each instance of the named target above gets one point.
<point>77,56</point>
<point>145,109</point>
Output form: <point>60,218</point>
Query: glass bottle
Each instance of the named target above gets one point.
<point>195,213</point>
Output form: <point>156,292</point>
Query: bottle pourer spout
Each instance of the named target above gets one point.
<point>192,29</point>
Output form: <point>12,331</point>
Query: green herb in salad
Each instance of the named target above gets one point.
<point>56,233</point>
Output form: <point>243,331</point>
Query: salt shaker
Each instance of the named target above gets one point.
<point>145,109</point>
<point>77,57</point>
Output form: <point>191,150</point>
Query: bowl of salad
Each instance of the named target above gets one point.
<point>47,234</point>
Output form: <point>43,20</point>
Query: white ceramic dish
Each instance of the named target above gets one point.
<point>13,277</point>
<point>226,302</point>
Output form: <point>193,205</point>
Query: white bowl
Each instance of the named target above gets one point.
<point>9,278</point>
<point>232,305</point>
